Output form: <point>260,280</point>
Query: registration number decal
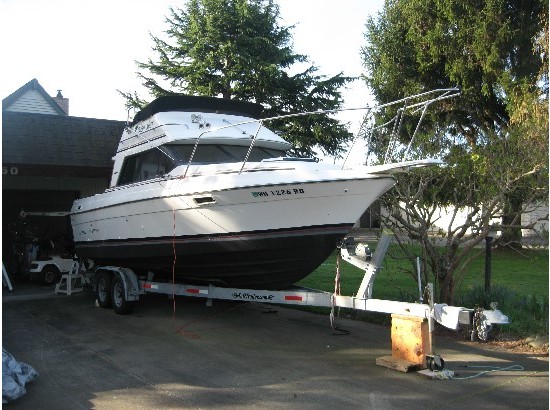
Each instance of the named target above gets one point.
<point>278,192</point>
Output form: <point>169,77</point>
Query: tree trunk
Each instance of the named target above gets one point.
<point>446,289</point>
<point>511,237</point>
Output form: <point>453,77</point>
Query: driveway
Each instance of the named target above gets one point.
<point>240,355</point>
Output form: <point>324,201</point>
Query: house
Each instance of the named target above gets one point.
<point>49,159</point>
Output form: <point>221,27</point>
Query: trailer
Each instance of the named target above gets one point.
<point>120,288</point>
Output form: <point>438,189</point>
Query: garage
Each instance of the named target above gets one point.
<point>49,159</point>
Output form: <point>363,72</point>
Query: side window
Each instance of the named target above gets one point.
<point>144,166</point>
<point>128,171</point>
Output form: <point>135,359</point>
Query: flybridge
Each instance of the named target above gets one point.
<point>253,124</point>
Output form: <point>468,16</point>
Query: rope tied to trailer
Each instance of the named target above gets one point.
<point>336,330</point>
<point>448,375</point>
<point>337,277</point>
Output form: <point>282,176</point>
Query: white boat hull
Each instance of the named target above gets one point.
<point>262,236</point>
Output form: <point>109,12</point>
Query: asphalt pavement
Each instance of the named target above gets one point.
<point>183,354</point>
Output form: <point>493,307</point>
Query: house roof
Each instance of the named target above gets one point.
<point>43,139</point>
<point>32,85</point>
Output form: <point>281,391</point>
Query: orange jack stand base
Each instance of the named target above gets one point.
<point>410,341</point>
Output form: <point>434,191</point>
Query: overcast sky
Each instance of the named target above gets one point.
<point>88,48</point>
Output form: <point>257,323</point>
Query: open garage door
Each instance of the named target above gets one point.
<point>24,237</point>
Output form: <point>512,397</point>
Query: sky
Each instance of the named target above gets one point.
<point>88,49</point>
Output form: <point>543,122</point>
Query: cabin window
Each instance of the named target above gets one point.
<point>256,155</point>
<point>205,154</point>
<point>161,160</point>
<point>144,166</point>
<point>219,154</point>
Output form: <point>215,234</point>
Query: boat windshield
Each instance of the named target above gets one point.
<point>161,160</point>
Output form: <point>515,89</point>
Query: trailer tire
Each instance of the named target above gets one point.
<point>118,297</point>
<point>103,289</point>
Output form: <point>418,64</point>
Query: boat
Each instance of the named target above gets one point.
<point>203,192</point>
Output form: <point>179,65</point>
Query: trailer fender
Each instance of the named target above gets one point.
<point>131,283</point>
<point>128,278</point>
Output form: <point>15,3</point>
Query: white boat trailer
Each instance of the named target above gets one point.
<point>412,323</point>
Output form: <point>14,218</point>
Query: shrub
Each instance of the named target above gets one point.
<point>528,314</point>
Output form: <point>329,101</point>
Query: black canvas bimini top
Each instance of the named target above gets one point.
<point>188,103</point>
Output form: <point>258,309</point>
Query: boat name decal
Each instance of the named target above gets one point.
<point>141,127</point>
<point>252,296</point>
<point>278,192</point>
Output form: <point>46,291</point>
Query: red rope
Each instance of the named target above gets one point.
<point>180,330</point>
<point>174,267</point>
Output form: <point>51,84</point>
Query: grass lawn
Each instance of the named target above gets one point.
<point>525,273</point>
<point>519,283</point>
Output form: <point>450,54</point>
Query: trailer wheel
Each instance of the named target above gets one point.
<point>121,305</point>
<point>103,290</point>
<point>49,275</point>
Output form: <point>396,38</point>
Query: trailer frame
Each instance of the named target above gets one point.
<point>120,288</point>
